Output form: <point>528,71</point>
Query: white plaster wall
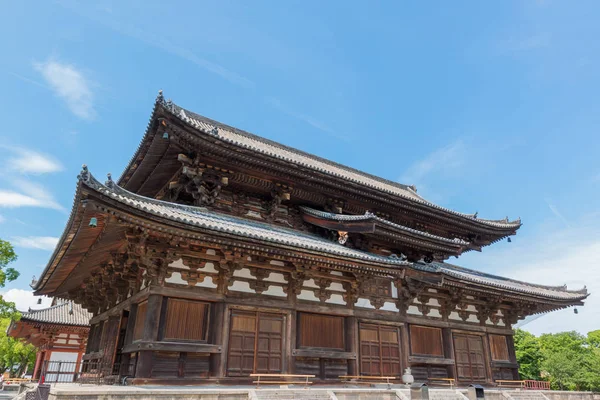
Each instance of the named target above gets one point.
<point>435,313</point>
<point>276,277</point>
<point>310,283</point>
<point>176,279</point>
<point>241,286</point>
<point>209,267</point>
<point>389,306</point>
<point>243,273</point>
<point>211,252</point>
<point>454,315</point>
<point>413,310</point>
<point>307,295</point>
<point>364,303</point>
<point>277,262</point>
<point>275,290</point>
<point>207,283</point>
<point>336,286</point>
<point>472,318</point>
<point>336,299</point>
<point>179,264</point>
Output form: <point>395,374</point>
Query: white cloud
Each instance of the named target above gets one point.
<point>558,214</point>
<point>35,242</point>
<point>71,85</point>
<point>28,161</point>
<point>24,299</point>
<point>28,194</point>
<point>443,159</point>
<point>302,117</point>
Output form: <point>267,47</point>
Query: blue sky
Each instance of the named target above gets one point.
<point>485,107</point>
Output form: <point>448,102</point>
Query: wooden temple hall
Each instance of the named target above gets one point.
<point>218,254</point>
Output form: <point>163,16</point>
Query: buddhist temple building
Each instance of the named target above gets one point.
<point>59,332</point>
<point>218,254</point>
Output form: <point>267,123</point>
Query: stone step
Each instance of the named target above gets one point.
<point>286,394</point>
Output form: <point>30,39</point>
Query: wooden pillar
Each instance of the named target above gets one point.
<point>144,363</point>
<point>217,336</point>
<point>405,345</point>
<point>352,344</point>
<point>126,357</point>
<point>449,350</point>
<point>38,362</point>
<point>488,359</point>
<point>292,336</point>
<point>512,355</point>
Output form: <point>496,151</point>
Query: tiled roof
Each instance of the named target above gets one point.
<point>372,217</point>
<point>201,217</point>
<point>67,313</point>
<point>276,150</point>
<point>553,292</point>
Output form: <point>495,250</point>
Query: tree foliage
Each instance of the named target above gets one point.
<point>16,356</point>
<point>7,274</point>
<point>568,360</point>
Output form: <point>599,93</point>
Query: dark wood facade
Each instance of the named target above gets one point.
<point>220,254</point>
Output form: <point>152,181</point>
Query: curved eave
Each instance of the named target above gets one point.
<point>210,129</point>
<point>370,224</point>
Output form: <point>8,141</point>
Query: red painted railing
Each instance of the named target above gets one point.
<point>537,385</point>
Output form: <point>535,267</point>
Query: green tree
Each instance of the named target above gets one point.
<point>16,356</point>
<point>529,354</point>
<point>7,274</point>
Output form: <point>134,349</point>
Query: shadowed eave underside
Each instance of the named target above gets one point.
<point>218,224</point>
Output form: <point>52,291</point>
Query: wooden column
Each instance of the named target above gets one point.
<point>352,344</point>
<point>449,350</point>
<point>144,363</point>
<point>126,357</point>
<point>292,336</point>
<point>217,336</point>
<point>38,362</point>
<point>405,345</point>
<point>512,355</point>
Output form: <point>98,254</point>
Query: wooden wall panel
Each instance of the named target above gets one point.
<point>140,319</point>
<point>196,365</point>
<point>499,348</point>
<point>469,357</point>
<point>165,365</point>
<point>186,320</point>
<point>322,331</point>
<point>379,350</point>
<point>426,341</point>
<point>255,343</point>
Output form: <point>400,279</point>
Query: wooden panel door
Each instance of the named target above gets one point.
<point>469,358</point>
<point>379,350</point>
<point>269,354</point>
<point>255,343</point>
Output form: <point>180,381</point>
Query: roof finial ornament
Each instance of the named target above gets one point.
<point>109,182</point>
<point>215,131</point>
<point>84,175</point>
<point>413,188</point>
<point>160,98</point>
<point>475,215</point>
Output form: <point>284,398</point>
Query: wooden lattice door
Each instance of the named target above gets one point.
<point>470,361</point>
<point>255,343</point>
<point>379,350</point>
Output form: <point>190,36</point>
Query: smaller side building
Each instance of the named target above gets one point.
<point>59,332</point>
